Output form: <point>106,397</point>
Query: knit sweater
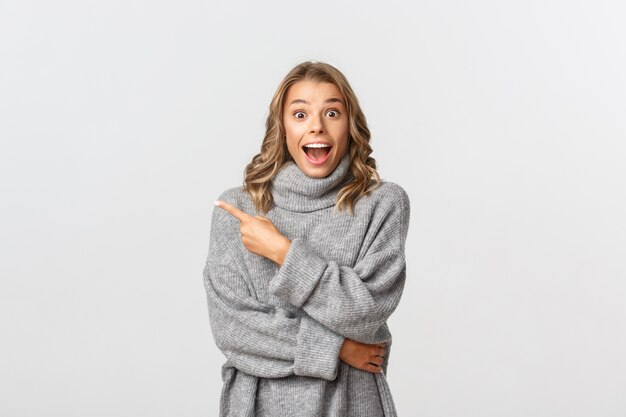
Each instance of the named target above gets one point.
<point>281,327</point>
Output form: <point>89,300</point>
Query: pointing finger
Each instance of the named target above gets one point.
<point>234,211</point>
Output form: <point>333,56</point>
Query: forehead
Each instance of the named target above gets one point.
<point>312,91</point>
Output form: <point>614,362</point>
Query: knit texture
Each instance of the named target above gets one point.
<point>281,327</point>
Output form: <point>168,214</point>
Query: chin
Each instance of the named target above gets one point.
<point>312,170</point>
<point>315,172</point>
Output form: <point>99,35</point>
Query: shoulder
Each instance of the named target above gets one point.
<point>238,197</point>
<point>393,205</point>
<point>387,209</point>
<point>235,196</point>
<point>222,221</point>
<point>390,196</point>
<point>394,192</point>
<point>387,202</point>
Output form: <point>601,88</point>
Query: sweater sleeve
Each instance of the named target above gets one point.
<point>353,301</point>
<point>258,338</point>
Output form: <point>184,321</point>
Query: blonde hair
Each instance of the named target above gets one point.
<point>274,153</point>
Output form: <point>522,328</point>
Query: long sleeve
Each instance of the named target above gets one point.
<point>258,338</point>
<point>353,301</point>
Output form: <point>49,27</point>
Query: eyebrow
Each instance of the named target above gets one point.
<point>330,100</point>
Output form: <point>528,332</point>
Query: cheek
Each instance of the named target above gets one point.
<point>342,130</point>
<point>293,131</point>
<point>293,136</point>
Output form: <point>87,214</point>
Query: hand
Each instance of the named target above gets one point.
<point>259,234</point>
<point>362,356</point>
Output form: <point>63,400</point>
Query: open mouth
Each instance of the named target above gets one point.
<point>317,153</point>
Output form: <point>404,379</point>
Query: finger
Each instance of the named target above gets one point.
<point>373,368</point>
<point>234,211</point>
<point>377,360</point>
<point>376,350</point>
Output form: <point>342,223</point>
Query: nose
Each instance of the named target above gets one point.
<point>317,125</point>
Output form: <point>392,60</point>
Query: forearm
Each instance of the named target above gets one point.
<point>282,248</point>
<point>263,340</point>
<point>354,302</point>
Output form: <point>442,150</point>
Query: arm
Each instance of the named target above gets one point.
<point>354,302</point>
<point>259,338</point>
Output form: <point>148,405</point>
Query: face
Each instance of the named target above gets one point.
<point>315,113</point>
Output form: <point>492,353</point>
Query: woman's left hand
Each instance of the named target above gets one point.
<point>259,234</point>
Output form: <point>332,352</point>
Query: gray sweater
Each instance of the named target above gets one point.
<point>281,327</point>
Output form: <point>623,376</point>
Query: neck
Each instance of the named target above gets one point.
<point>293,190</point>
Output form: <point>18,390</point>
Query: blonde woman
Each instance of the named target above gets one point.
<point>307,261</point>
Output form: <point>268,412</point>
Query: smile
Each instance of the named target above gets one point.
<point>317,153</point>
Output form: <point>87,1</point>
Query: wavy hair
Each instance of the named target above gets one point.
<point>274,152</point>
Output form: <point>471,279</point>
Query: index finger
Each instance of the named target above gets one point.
<point>234,211</point>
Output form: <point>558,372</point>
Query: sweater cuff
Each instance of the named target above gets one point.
<point>317,351</point>
<point>298,275</point>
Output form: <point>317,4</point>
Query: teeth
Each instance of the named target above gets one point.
<point>317,145</point>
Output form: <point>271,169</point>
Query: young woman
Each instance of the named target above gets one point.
<point>306,261</point>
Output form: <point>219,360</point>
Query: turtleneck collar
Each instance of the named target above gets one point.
<point>293,190</point>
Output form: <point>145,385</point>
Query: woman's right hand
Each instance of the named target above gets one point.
<point>362,356</point>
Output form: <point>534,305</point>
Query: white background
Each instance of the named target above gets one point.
<point>122,121</point>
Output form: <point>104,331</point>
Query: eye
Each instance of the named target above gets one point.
<point>335,112</point>
<point>297,113</point>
